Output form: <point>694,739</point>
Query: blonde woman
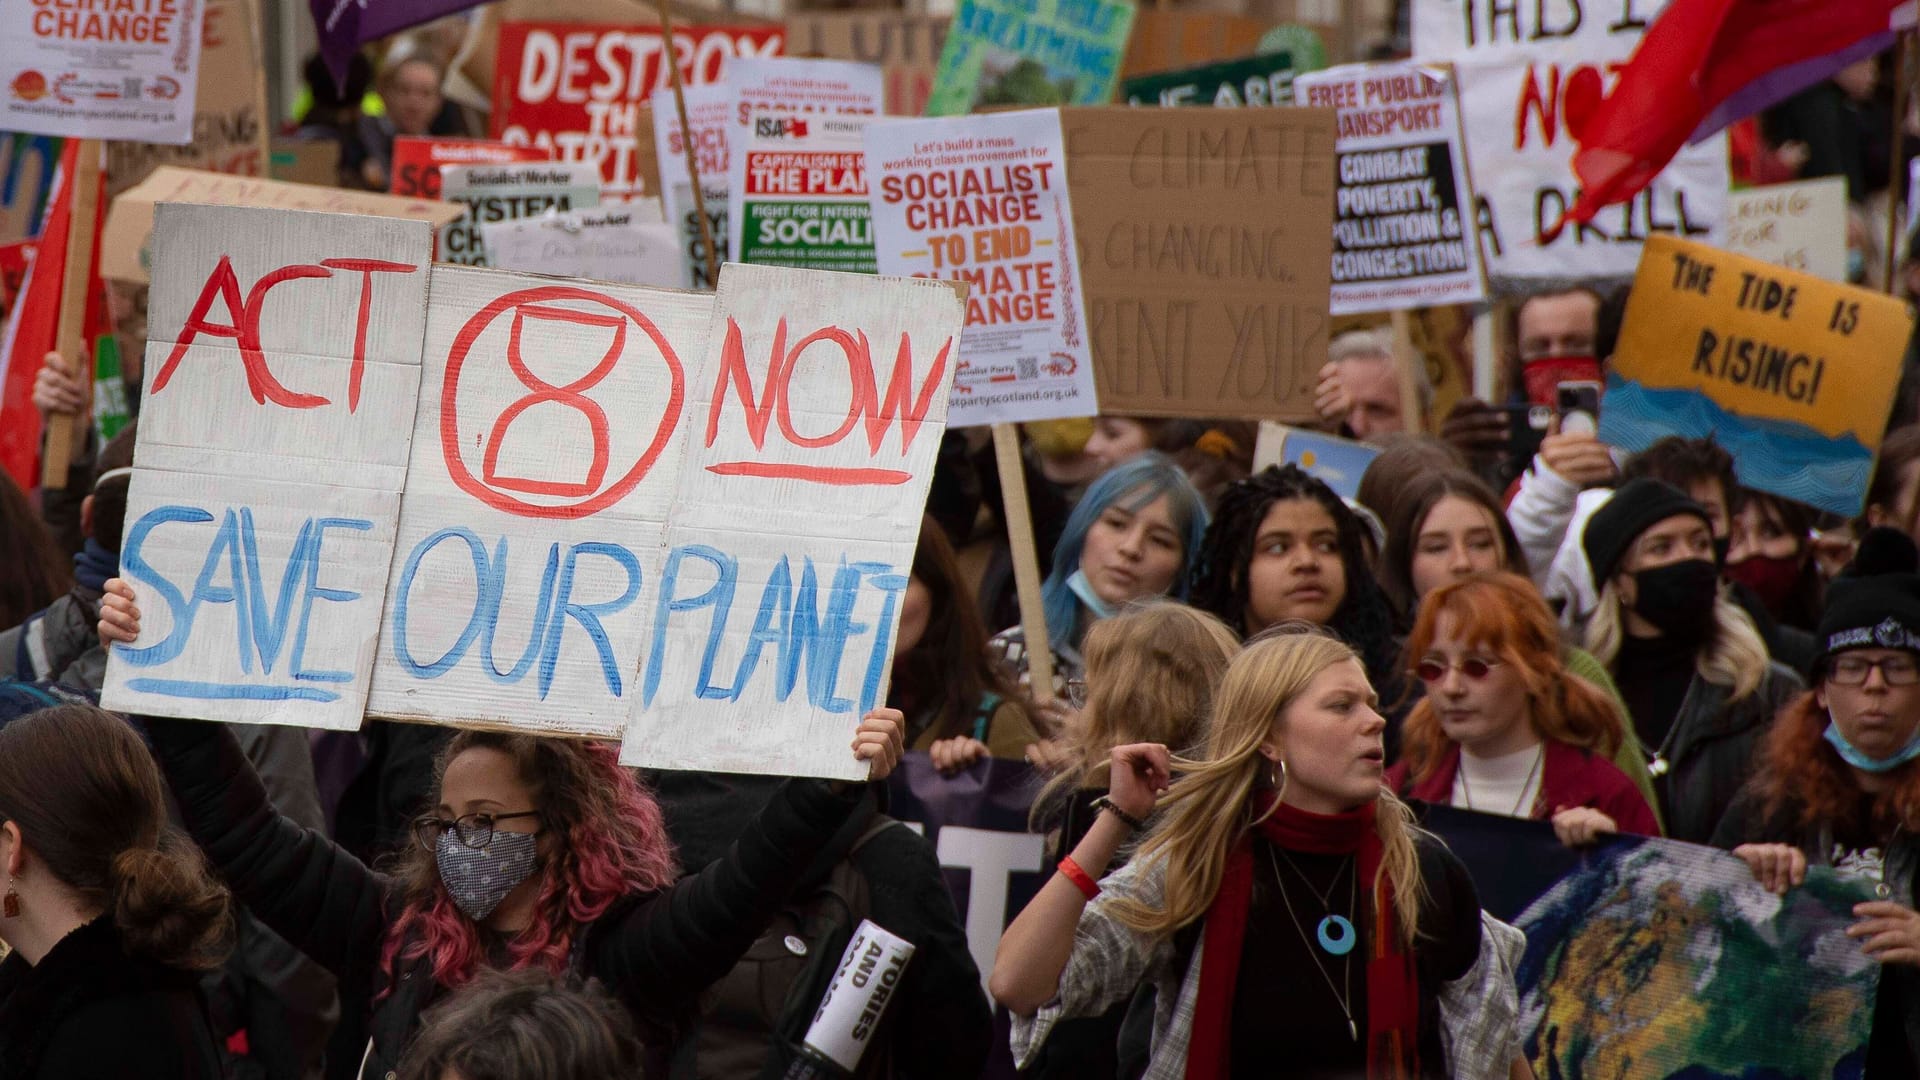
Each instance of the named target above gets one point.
<point>1150,675</point>
<point>1293,919</point>
<point>1690,666</point>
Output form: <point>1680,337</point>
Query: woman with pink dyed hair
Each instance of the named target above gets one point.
<point>539,852</point>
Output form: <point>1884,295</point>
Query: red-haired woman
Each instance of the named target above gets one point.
<point>538,853</point>
<point>1504,728</point>
<point>1837,784</point>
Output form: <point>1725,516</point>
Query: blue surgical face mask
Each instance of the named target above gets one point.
<point>1083,589</point>
<point>479,878</point>
<point>1858,758</point>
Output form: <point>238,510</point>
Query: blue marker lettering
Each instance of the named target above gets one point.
<point>307,560</point>
<point>588,615</point>
<point>138,569</point>
<point>892,586</point>
<point>492,592</point>
<point>718,596</point>
<point>458,649</point>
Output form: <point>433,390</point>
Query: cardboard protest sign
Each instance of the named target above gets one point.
<point>258,545</point>
<point>304,161</point>
<point>768,520</point>
<point>1206,240</point>
<point>1403,233</point>
<point>94,71</point>
<point>614,244</point>
<point>230,124</point>
<point>1339,462</point>
<point>1652,957</point>
<point>531,522</point>
<point>798,194</point>
<point>575,90</point>
<point>1528,76</point>
<point>905,46</point>
<point>1794,375</point>
<point>1166,40</point>
<point>505,193</point>
<point>1030,52</point>
<point>1255,81</point>
<point>418,159</point>
<point>1801,226</point>
<point>984,200</point>
<point>124,251</point>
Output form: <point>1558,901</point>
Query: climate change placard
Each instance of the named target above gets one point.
<point>127,70</point>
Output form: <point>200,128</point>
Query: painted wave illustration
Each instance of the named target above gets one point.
<point>1789,459</point>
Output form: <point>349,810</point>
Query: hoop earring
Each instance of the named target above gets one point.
<point>1277,775</point>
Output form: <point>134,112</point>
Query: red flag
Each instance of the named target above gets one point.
<point>32,324</point>
<point>1706,63</point>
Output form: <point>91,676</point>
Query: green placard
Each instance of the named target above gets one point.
<point>1036,52</point>
<point>1255,81</point>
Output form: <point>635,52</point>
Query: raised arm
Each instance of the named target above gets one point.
<point>661,952</point>
<point>322,900</point>
<point>1034,950</point>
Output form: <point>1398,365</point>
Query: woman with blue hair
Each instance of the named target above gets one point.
<point>1132,535</point>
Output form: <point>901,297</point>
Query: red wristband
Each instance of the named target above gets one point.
<point>1082,880</point>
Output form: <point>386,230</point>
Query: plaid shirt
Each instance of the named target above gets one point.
<point>1479,1012</point>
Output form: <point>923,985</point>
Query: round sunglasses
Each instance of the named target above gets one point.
<point>1432,670</point>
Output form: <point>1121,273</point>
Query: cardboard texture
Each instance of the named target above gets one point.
<point>905,46</point>
<point>984,200</point>
<point>124,251</point>
<point>92,72</point>
<point>1257,81</point>
<point>1526,78</point>
<point>1801,226</point>
<point>604,245</point>
<point>1002,53</point>
<point>576,90</point>
<point>257,546</point>
<point>418,159</point>
<point>798,194</point>
<point>1205,248</point>
<point>230,125</point>
<point>305,161</point>
<point>1794,375</point>
<point>792,541</point>
<point>1403,232</point>
<point>493,193</point>
<point>1165,40</point>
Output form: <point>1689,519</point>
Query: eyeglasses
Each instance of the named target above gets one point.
<point>1853,670</point>
<point>1076,692</point>
<point>473,830</point>
<point>1432,670</point>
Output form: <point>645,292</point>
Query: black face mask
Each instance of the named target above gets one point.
<point>1678,599</point>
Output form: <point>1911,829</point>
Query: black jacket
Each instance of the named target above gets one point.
<point>89,1011</point>
<point>1710,749</point>
<point>938,1024</point>
<point>654,952</point>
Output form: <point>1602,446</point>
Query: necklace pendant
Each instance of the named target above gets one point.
<point>1336,935</point>
<point>1352,1031</point>
<point>1658,767</point>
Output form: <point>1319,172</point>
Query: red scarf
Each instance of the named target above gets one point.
<point>1393,997</point>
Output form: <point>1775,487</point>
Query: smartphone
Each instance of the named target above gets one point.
<point>1578,406</point>
<point>1526,425</point>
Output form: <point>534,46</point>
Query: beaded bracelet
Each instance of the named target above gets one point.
<point>1106,803</point>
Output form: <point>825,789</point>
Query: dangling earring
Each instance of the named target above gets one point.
<point>10,904</point>
<point>1277,774</point>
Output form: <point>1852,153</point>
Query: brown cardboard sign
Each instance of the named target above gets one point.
<point>906,46</point>
<point>230,127</point>
<point>1169,40</point>
<point>1206,240</point>
<point>306,161</point>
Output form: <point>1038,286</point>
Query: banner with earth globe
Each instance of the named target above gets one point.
<point>1666,961</point>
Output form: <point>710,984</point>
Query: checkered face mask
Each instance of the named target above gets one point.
<point>479,878</point>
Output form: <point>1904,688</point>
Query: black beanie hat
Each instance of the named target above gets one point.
<point>1637,506</point>
<point>1875,602</point>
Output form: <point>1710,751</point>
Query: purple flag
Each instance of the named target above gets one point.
<point>345,25</point>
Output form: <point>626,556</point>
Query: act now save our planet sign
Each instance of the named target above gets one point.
<point>464,496</point>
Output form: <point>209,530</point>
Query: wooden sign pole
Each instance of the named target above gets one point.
<point>686,142</point>
<point>1026,561</point>
<point>67,433</point>
<point>1413,415</point>
<point>1895,161</point>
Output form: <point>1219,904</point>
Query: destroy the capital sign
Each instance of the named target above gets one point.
<point>466,496</point>
<point>575,90</point>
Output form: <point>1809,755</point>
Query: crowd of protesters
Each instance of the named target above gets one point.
<point>1257,686</point>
